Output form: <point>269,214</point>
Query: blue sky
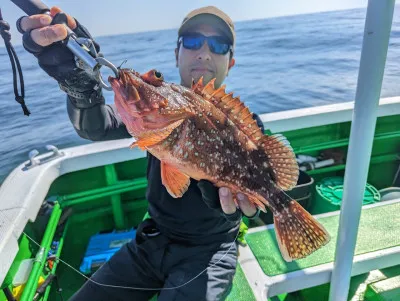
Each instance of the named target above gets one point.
<point>125,16</point>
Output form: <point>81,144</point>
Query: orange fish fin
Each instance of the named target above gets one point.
<point>153,137</point>
<point>298,233</point>
<point>241,116</point>
<point>218,93</point>
<point>198,87</point>
<point>208,89</point>
<point>282,160</point>
<point>259,204</point>
<point>234,109</point>
<point>176,182</point>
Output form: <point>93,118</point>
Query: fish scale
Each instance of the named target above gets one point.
<point>204,133</point>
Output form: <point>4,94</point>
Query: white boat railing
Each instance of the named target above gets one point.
<point>372,64</point>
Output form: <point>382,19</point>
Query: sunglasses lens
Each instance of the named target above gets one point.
<point>192,42</point>
<point>218,46</point>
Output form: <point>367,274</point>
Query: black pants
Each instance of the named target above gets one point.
<point>157,262</point>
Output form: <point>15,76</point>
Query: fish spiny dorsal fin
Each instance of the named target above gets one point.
<point>208,90</point>
<point>198,87</point>
<point>233,108</point>
<point>235,101</point>
<point>220,92</point>
<point>227,98</point>
<point>282,160</point>
<point>237,112</point>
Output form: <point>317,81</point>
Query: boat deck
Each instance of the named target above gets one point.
<point>378,246</point>
<point>378,231</point>
<point>104,184</point>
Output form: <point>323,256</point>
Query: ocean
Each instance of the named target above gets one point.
<point>281,64</point>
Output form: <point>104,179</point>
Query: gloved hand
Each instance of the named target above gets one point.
<point>222,199</point>
<point>43,41</point>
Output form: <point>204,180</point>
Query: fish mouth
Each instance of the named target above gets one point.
<point>126,86</point>
<point>114,82</point>
<point>129,100</point>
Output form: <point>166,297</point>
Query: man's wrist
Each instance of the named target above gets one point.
<point>84,100</point>
<point>233,217</point>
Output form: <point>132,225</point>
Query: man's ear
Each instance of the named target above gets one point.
<point>231,63</point>
<point>176,56</point>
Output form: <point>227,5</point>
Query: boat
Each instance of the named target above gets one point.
<point>57,208</point>
<point>64,197</point>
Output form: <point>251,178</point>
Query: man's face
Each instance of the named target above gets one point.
<point>194,64</point>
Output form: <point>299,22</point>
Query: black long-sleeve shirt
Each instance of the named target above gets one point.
<point>186,219</point>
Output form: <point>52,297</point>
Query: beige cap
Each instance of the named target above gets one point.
<point>201,15</point>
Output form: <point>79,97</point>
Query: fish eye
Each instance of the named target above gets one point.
<point>158,75</point>
<point>153,77</point>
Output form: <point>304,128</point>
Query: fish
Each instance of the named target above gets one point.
<point>205,133</point>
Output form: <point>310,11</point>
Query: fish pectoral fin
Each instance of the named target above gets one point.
<point>259,204</point>
<point>298,233</point>
<point>176,182</point>
<point>282,159</point>
<point>150,138</point>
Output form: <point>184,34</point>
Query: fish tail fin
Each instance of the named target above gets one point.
<point>298,233</point>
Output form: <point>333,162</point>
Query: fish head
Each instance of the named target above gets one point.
<point>142,101</point>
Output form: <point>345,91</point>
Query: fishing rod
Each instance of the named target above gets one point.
<point>87,57</point>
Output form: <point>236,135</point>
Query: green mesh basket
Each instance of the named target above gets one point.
<point>330,195</point>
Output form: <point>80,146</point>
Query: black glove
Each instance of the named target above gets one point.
<point>211,198</point>
<point>58,62</point>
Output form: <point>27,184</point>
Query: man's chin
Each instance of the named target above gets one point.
<point>207,76</point>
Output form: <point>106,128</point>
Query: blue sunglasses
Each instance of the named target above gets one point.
<point>217,44</point>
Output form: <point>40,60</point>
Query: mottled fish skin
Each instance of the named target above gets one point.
<point>205,153</point>
<point>204,133</point>
<point>221,154</point>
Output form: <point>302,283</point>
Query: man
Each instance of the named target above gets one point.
<point>186,250</point>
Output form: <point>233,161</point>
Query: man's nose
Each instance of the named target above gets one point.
<point>204,53</point>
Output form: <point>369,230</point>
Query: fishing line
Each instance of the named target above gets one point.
<point>126,287</point>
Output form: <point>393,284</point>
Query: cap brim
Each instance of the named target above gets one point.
<point>208,19</point>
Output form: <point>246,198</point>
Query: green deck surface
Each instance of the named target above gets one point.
<point>385,290</point>
<point>378,230</point>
